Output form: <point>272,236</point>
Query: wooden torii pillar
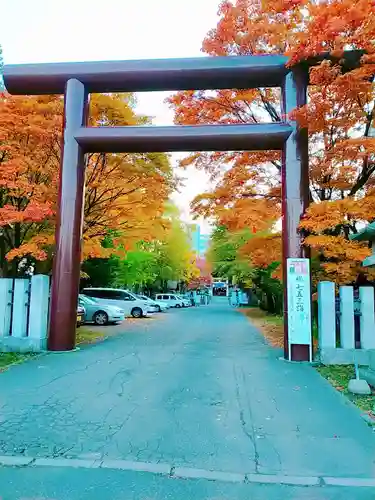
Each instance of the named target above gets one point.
<point>78,80</point>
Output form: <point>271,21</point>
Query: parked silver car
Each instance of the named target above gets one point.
<point>169,299</point>
<point>185,301</point>
<point>99,313</point>
<point>125,300</point>
<point>158,306</point>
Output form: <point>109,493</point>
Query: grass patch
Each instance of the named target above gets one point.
<point>270,325</point>
<point>8,359</point>
<point>89,335</point>
<point>339,376</point>
<point>274,320</point>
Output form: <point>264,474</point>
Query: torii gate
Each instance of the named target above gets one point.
<point>77,80</point>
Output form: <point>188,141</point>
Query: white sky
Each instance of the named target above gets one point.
<point>33,31</point>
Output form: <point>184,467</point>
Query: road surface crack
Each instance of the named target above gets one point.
<point>249,433</point>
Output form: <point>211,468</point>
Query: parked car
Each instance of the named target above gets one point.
<point>100,313</point>
<point>80,315</point>
<point>159,306</point>
<point>169,298</point>
<point>127,301</point>
<point>185,301</point>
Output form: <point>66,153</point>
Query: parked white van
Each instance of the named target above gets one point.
<point>130,303</point>
<point>171,299</point>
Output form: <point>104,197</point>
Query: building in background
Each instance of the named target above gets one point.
<point>220,287</point>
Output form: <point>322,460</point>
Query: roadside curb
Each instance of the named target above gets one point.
<point>180,472</point>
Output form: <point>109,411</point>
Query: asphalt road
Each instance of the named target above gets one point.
<point>192,404</point>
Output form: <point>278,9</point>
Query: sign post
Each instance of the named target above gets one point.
<point>299,304</point>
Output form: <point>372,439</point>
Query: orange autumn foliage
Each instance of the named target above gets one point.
<point>125,194</point>
<point>264,249</point>
<point>339,114</point>
<point>29,157</point>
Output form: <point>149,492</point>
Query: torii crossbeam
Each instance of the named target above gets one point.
<point>77,80</point>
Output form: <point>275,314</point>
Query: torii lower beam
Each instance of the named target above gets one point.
<point>259,137</point>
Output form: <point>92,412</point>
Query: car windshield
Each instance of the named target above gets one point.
<point>87,300</point>
<point>143,297</point>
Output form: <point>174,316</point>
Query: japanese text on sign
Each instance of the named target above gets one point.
<point>299,301</point>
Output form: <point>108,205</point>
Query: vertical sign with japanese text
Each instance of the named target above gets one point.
<point>299,301</point>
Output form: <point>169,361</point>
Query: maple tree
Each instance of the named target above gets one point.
<point>339,115</point>
<point>29,156</point>
<point>125,193</point>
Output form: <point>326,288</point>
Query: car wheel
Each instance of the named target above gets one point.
<point>100,318</point>
<point>178,305</point>
<point>137,312</point>
<point>158,309</point>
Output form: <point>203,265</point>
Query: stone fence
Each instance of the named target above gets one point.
<point>346,324</point>
<point>24,310</point>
